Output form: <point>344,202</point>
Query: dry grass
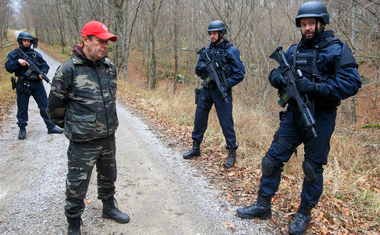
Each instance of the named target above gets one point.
<point>7,95</point>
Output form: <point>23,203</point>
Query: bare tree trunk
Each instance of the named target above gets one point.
<point>148,64</point>
<point>353,24</point>
<point>153,62</point>
<point>376,88</point>
<point>61,30</point>
<point>153,69</point>
<point>175,45</point>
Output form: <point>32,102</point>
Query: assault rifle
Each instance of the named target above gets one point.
<point>213,75</point>
<point>291,74</point>
<point>33,67</point>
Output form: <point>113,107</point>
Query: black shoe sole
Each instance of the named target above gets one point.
<point>229,166</point>
<point>54,132</point>
<point>117,221</point>
<point>191,156</point>
<point>244,216</point>
<point>297,233</point>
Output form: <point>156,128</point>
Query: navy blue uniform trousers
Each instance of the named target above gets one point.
<point>292,129</point>
<point>207,98</point>
<point>38,92</point>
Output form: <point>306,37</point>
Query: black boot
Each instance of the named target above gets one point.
<point>55,130</point>
<point>261,208</point>
<point>195,151</point>
<point>74,226</point>
<point>22,133</point>
<point>112,212</point>
<point>231,158</point>
<point>301,220</point>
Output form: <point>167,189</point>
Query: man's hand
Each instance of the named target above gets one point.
<point>202,67</point>
<point>202,70</point>
<point>23,62</point>
<point>276,79</point>
<point>307,87</point>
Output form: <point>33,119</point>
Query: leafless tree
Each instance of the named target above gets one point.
<point>164,36</point>
<point>6,12</point>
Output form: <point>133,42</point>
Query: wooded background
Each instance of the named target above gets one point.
<point>164,35</point>
<point>156,54</point>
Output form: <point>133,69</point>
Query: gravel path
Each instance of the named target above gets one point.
<point>162,193</point>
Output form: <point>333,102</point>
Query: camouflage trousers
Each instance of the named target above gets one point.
<point>82,157</point>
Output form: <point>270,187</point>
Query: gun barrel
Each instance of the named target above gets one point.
<point>46,78</point>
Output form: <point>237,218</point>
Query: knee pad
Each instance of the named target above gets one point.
<point>270,167</point>
<point>312,171</point>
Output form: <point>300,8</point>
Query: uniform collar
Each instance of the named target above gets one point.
<point>325,34</point>
<point>222,44</point>
<point>79,57</point>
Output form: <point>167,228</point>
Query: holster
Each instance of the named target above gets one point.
<point>197,93</point>
<point>13,81</point>
<point>23,86</point>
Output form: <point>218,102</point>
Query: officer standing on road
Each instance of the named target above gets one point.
<point>35,42</point>
<point>29,83</point>
<point>83,101</point>
<point>226,58</point>
<point>330,75</point>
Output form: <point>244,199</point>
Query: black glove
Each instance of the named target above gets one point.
<point>201,70</point>
<point>276,79</point>
<point>307,87</point>
<point>202,67</point>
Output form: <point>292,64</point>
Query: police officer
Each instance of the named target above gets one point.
<point>330,76</point>
<point>226,58</point>
<point>35,42</point>
<point>83,101</point>
<point>29,84</point>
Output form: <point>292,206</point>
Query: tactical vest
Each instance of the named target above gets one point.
<point>218,57</point>
<point>307,63</point>
<point>27,74</point>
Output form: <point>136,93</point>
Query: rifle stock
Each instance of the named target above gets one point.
<point>291,74</point>
<point>33,67</point>
<point>213,75</point>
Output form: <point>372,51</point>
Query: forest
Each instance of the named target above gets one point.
<point>155,55</point>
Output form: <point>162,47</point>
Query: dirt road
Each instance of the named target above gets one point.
<point>162,193</point>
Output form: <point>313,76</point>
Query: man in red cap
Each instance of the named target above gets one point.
<point>83,101</point>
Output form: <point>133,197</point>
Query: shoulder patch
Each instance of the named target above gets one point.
<point>58,86</point>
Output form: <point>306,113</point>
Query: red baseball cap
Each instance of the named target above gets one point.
<point>98,29</point>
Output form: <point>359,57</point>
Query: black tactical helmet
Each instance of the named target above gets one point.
<point>24,35</point>
<point>312,9</point>
<point>217,26</point>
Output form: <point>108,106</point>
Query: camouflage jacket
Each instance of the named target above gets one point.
<point>82,98</point>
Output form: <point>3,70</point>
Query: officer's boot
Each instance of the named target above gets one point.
<point>22,133</point>
<point>301,220</point>
<point>195,151</point>
<point>74,226</point>
<point>112,212</point>
<point>231,158</point>
<point>261,208</point>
